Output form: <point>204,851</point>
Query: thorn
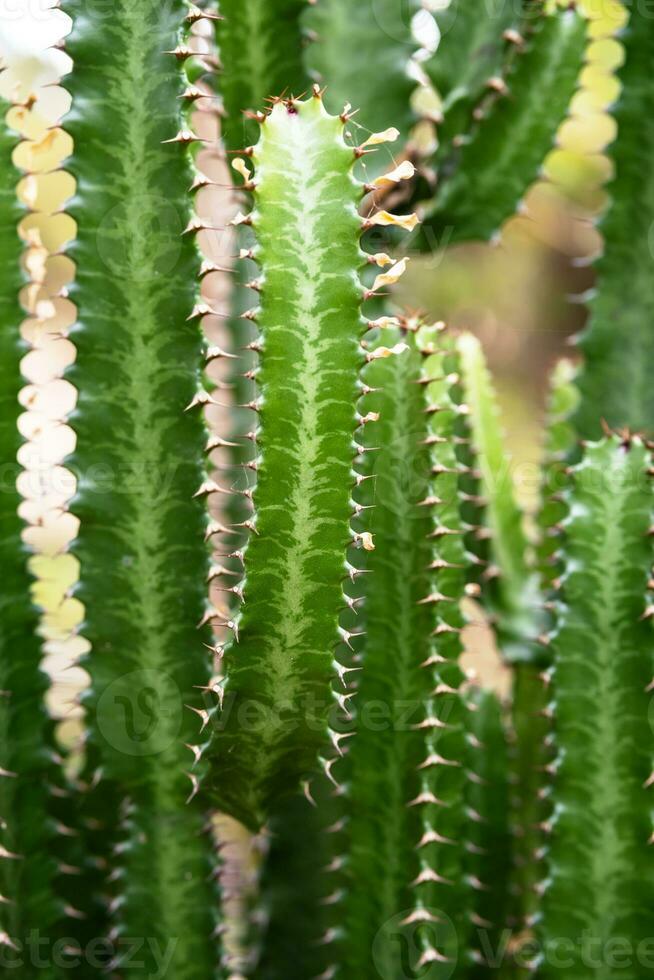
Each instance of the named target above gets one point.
<point>195,14</point>
<point>214,353</point>
<point>196,225</point>
<point>202,398</point>
<point>185,137</point>
<point>200,310</point>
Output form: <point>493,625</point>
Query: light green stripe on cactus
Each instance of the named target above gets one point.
<point>277,694</point>
<point>260,45</point>
<point>507,578</point>
<point>483,185</point>
<point>618,344</point>
<point>361,53</point>
<point>600,880</point>
<point>138,465</point>
<point>28,772</point>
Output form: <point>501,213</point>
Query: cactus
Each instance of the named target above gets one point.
<point>599,881</point>
<point>403,770</point>
<point>476,41</point>
<point>614,383</point>
<point>309,681</point>
<point>260,46</point>
<point>281,664</point>
<point>490,845</point>
<point>138,469</point>
<point>28,767</point>
<point>490,169</point>
<point>373,36</point>
<point>507,587</point>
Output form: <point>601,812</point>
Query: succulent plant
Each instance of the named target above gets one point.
<point>415,823</point>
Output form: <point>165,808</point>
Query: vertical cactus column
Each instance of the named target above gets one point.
<point>260,44</point>
<point>486,171</point>
<point>404,769</point>
<point>28,770</point>
<point>618,344</point>
<point>599,890</point>
<point>277,697</point>
<point>139,470</point>
<point>351,48</point>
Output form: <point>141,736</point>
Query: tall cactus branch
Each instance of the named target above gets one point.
<point>281,663</point>
<point>618,344</point>
<point>138,467</point>
<point>600,874</point>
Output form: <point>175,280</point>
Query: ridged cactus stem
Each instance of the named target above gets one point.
<point>393,770</point>
<point>615,380</point>
<point>489,855</point>
<point>260,44</point>
<point>140,441</point>
<point>599,889</point>
<point>276,699</point>
<point>485,176</point>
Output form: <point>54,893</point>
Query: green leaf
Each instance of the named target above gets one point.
<point>260,44</point>
<point>28,770</point>
<point>482,184</point>
<point>618,345</point>
<point>506,580</point>
<point>600,878</point>
<point>361,53</point>
<point>277,695</point>
<point>490,847</point>
<point>138,467</point>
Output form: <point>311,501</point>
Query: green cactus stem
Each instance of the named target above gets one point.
<point>484,181</point>
<point>599,888</point>
<point>618,345</point>
<point>276,698</point>
<point>140,442</point>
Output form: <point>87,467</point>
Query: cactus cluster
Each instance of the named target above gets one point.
<point>275,604</point>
